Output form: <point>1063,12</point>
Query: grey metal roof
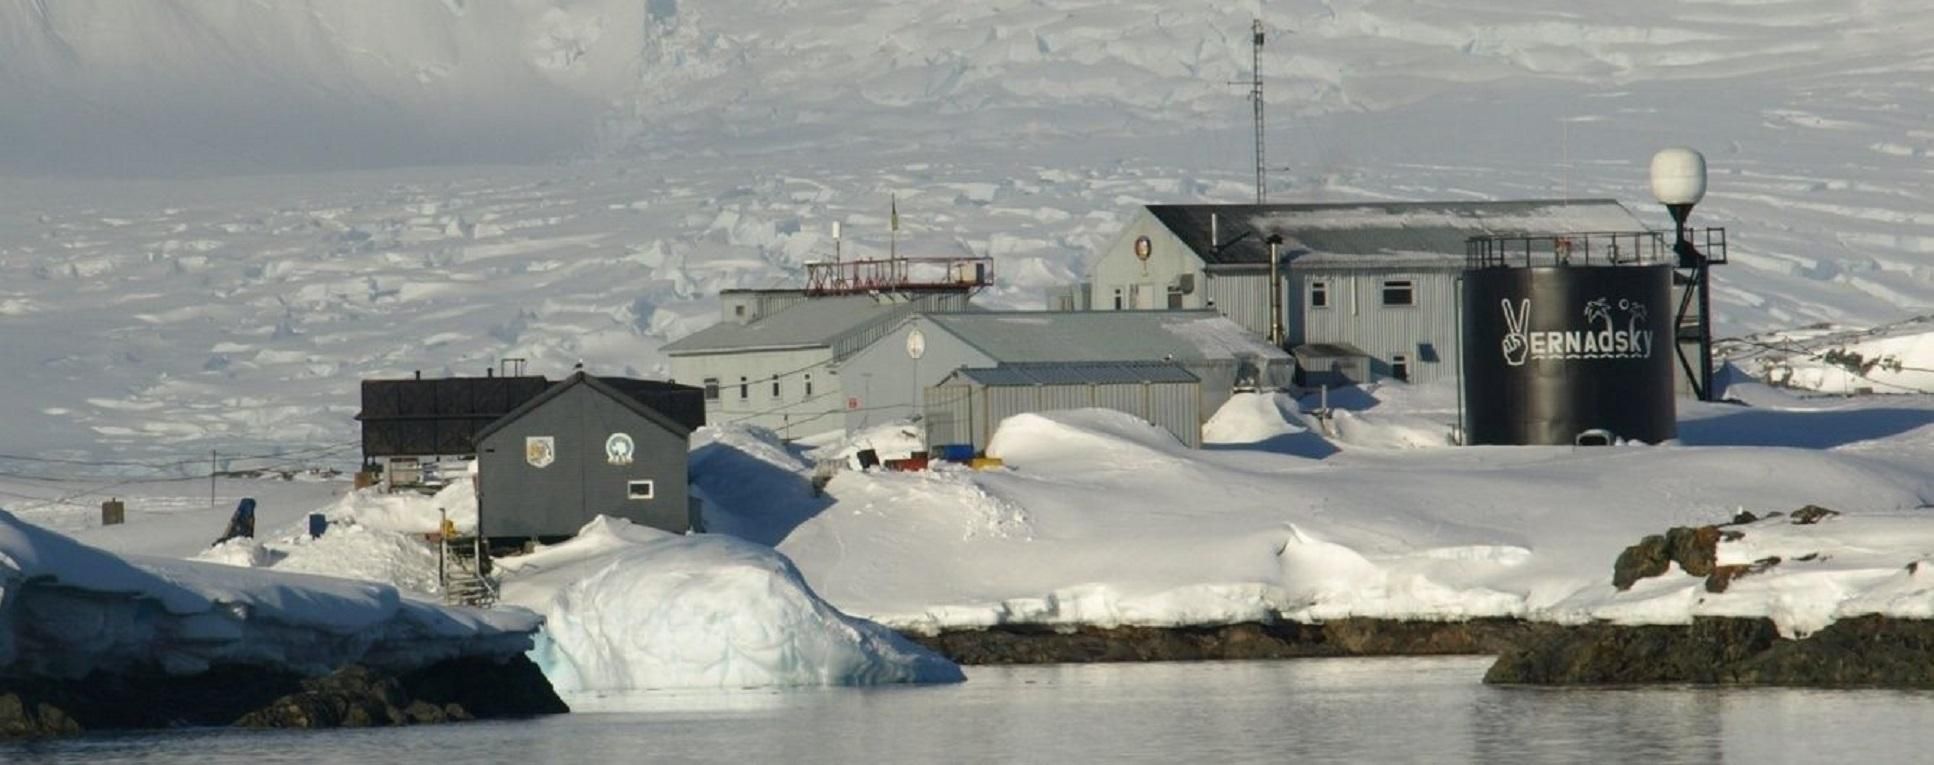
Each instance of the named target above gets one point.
<point>1088,336</point>
<point>1353,231</point>
<point>1085,373</point>
<point>815,323</point>
<point>1328,351</point>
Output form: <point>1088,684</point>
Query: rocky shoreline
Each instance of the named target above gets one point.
<point>258,697</point>
<point>1859,652</point>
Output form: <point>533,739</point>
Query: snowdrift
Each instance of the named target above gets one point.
<point>628,608</point>
<point>67,609</point>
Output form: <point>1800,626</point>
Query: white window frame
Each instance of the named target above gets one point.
<point>649,489</point>
<point>1408,285</point>
<point>711,388</point>
<point>1401,361</point>
<point>1320,287</point>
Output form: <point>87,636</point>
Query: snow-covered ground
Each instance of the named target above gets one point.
<point>216,218</point>
<point>67,610</point>
<point>700,146</point>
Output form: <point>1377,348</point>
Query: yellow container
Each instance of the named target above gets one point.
<point>985,463</point>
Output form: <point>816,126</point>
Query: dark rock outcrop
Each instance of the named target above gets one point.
<point>1868,651</point>
<point>455,690</point>
<point>1277,640</point>
<point>25,716</point>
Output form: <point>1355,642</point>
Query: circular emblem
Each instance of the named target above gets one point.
<point>618,449</point>
<point>916,344</point>
<point>1143,248</point>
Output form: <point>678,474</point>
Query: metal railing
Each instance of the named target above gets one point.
<point>1595,248</point>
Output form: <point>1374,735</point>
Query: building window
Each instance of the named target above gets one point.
<point>739,311</point>
<point>1319,294</point>
<point>775,386</point>
<point>1117,298</point>
<point>809,385</point>
<point>1399,292</point>
<point>745,389</point>
<point>638,490</point>
<point>1400,366</point>
<point>711,389</point>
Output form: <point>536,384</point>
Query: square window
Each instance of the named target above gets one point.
<point>1399,292</point>
<point>738,310</point>
<point>711,389</point>
<point>1400,367</point>
<point>1319,294</point>
<point>638,490</point>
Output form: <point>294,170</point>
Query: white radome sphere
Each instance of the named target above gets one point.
<point>1679,176</point>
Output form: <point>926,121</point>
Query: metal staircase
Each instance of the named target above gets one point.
<point>462,573</point>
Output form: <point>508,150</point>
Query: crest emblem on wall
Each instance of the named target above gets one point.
<point>540,451</point>
<point>1143,248</point>
<point>618,449</point>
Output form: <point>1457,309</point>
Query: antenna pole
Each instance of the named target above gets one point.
<point>1255,95</point>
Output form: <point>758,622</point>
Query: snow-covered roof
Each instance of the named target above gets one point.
<point>1411,233</point>
<point>1078,373</point>
<point>813,323</point>
<point>1090,336</point>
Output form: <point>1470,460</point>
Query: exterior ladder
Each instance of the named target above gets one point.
<point>460,572</point>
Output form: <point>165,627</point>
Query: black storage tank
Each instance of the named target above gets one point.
<point>1566,354</point>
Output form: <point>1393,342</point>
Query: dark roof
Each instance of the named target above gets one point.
<point>441,416</point>
<point>603,385</point>
<point>683,403</point>
<point>1357,229</point>
<point>1083,373</point>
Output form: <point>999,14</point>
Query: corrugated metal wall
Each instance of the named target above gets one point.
<point>959,412</point>
<point>1356,315</point>
<point>1244,298</point>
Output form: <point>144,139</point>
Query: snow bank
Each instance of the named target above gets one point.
<point>1092,436</point>
<point>639,609</point>
<point>67,610</point>
<point>1252,417</point>
<point>407,512</point>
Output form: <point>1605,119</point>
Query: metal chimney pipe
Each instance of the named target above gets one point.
<point>1275,292</point>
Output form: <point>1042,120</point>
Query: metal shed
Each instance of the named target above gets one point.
<point>967,406</point>
<point>586,447</point>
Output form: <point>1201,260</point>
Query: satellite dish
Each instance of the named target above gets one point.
<point>1678,176</point>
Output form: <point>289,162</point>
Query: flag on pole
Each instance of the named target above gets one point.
<point>894,206</point>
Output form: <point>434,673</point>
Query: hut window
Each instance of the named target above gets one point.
<point>745,390</point>
<point>1319,294</point>
<point>775,386</point>
<point>1117,298</point>
<point>1399,292</point>
<point>1400,366</point>
<point>809,385</point>
<point>638,490</point>
<point>711,389</point>
<point>739,310</point>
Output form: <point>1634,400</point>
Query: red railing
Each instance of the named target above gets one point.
<point>852,277</point>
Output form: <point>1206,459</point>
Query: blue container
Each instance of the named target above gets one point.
<point>318,523</point>
<point>954,452</point>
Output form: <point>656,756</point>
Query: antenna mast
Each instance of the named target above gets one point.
<point>1255,96</point>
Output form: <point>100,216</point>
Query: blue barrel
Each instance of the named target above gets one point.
<point>954,452</point>
<point>318,523</point>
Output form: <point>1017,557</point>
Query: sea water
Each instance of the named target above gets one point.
<point>1321,710</point>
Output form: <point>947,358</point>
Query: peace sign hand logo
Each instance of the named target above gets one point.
<point>1517,347</point>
